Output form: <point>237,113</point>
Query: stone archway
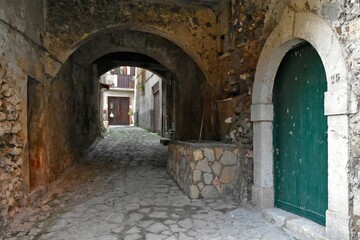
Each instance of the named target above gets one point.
<point>294,28</point>
<point>73,86</point>
<point>188,75</point>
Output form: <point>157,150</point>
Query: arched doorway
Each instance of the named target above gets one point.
<point>73,92</point>
<point>295,28</point>
<point>300,134</point>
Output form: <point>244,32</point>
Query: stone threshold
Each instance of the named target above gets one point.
<point>300,227</point>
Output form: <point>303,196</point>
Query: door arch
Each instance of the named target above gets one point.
<point>294,28</point>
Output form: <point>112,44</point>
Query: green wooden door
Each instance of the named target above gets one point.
<point>300,135</point>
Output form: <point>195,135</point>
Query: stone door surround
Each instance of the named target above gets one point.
<point>294,28</point>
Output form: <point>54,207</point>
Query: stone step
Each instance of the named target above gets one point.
<point>300,227</point>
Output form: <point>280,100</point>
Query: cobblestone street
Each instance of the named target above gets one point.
<point>121,190</point>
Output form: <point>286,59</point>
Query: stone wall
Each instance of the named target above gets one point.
<point>346,20</point>
<point>39,114</point>
<point>145,101</point>
<point>20,56</point>
<point>208,170</point>
<point>74,92</point>
<point>241,25</point>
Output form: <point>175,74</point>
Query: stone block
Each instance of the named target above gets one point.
<point>226,189</point>
<point>228,175</point>
<point>208,177</point>
<point>354,29</point>
<point>262,197</point>
<point>216,182</point>
<point>16,128</point>
<point>16,151</point>
<point>263,154</point>
<point>338,159</point>
<point>277,216</point>
<point>210,154</point>
<point>336,102</point>
<point>228,158</point>
<point>262,112</point>
<point>216,167</point>
<point>197,176</point>
<point>337,226</point>
<point>193,192</point>
<point>198,155</point>
<point>2,116</point>
<point>306,229</point>
<point>5,87</point>
<point>157,227</point>
<point>5,127</point>
<point>203,166</point>
<point>357,202</point>
<point>209,192</point>
<point>218,153</point>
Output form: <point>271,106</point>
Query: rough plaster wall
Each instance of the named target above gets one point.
<point>74,93</point>
<point>20,55</point>
<point>146,101</point>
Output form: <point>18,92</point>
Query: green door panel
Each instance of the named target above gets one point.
<point>300,135</point>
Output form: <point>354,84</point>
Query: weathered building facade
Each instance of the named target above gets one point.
<point>150,102</point>
<point>269,31</point>
<point>53,52</point>
<point>117,102</point>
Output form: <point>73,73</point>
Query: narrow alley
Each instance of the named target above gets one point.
<point>121,190</point>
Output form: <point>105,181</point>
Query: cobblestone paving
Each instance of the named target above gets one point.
<point>121,190</point>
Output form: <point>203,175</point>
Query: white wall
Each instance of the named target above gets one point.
<point>145,102</point>
<point>109,78</point>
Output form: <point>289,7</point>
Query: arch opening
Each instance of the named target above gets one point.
<point>300,27</point>
<point>73,106</point>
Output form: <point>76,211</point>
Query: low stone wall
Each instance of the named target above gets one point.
<point>204,170</point>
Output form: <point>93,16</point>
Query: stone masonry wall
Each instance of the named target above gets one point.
<point>20,56</point>
<point>12,187</point>
<point>244,38</point>
<point>207,170</point>
<point>63,106</point>
<point>348,25</point>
